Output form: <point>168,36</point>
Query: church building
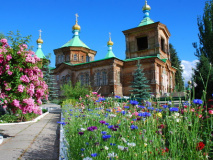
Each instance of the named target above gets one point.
<point>148,44</point>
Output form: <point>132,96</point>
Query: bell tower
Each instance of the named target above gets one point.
<point>149,38</point>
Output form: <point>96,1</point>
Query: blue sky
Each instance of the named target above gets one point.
<point>99,17</point>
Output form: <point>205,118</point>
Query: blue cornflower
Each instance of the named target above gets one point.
<point>141,107</point>
<point>165,106</point>
<point>70,114</point>
<point>150,108</point>
<point>102,99</point>
<point>158,110</point>
<point>132,102</point>
<point>106,136</point>
<point>103,132</point>
<point>109,110</point>
<point>82,149</point>
<point>134,119</point>
<point>133,127</point>
<point>126,107</point>
<point>63,123</point>
<point>94,154</point>
<point>90,110</point>
<point>112,144</point>
<point>71,110</point>
<point>107,124</point>
<point>98,101</point>
<point>173,109</point>
<point>148,103</point>
<point>144,114</point>
<point>62,118</point>
<point>117,97</point>
<point>197,101</point>
<point>111,126</point>
<point>123,112</point>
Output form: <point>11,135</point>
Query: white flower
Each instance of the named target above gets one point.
<point>176,114</point>
<point>83,129</point>
<point>145,144</point>
<point>123,139</point>
<point>129,115</point>
<point>131,144</point>
<point>112,155</point>
<point>105,147</point>
<point>112,115</point>
<point>178,120</point>
<point>87,158</point>
<point>121,147</point>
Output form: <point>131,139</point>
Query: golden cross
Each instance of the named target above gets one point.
<point>76,16</point>
<point>40,33</point>
<point>109,35</point>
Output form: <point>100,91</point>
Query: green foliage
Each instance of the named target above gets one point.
<point>8,118</point>
<point>1,37</point>
<point>175,61</point>
<point>141,89</point>
<point>204,51</point>
<point>44,111</point>
<point>16,40</point>
<point>74,92</point>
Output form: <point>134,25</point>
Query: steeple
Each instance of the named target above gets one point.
<point>39,53</point>
<point>75,41</point>
<point>146,20</point>
<point>110,44</point>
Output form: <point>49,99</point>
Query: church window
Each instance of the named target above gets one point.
<point>82,79</point>
<point>75,57</point>
<point>104,78</point>
<point>98,79</point>
<point>142,43</point>
<point>162,44</point>
<point>82,58</point>
<point>67,78</point>
<point>87,79</point>
<point>63,79</point>
<point>68,58</point>
<point>118,76</point>
<point>87,59</point>
<point>57,77</point>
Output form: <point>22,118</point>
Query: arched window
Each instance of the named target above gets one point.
<point>67,78</point>
<point>75,58</point>
<point>87,58</point>
<point>68,58</point>
<point>119,76</point>
<point>82,79</point>
<point>98,79</point>
<point>63,79</point>
<point>104,78</point>
<point>87,79</point>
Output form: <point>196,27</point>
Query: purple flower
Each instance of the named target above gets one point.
<point>132,102</point>
<point>80,133</point>
<point>92,128</point>
<point>102,122</point>
<point>148,103</point>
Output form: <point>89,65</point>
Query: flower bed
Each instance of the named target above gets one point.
<point>96,128</point>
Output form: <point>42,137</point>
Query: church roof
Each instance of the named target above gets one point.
<point>146,21</point>
<point>110,54</point>
<point>75,42</point>
<point>39,53</point>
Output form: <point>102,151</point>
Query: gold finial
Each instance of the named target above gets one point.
<point>146,6</point>
<point>76,26</point>
<point>39,40</point>
<point>110,42</point>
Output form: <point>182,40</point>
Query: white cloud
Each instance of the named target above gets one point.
<point>187,69</point>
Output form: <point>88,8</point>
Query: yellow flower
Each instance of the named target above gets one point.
<point>159,115</point>
<point>145,144</point>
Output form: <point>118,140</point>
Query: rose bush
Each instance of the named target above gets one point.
<point>21,80</point>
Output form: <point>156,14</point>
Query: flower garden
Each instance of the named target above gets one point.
<point>99,128</point>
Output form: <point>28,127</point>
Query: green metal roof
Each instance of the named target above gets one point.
<point>164,60</point>
<point>137,58</point>
<point>110,54</point>
<point>146,21</point>
<point>40,54</point>
<point>75,42</point>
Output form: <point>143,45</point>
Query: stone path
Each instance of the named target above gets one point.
<point>31,141</point>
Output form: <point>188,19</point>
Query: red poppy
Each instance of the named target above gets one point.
<point>200,146</point>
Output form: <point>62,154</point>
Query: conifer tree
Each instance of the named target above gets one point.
<point>49,79</point>
<point>177,64</point>
<point>139,84</point>
<point>204,51</point>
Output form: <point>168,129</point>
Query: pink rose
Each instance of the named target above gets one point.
<point>210,111</point>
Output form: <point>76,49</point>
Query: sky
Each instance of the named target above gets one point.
<point>99,17</point>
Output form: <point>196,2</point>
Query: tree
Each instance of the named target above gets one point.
<point>1,37</point>
<point>21,81</point>
<point>141,89</point>
<point>177,64</point>
<point>204,51</point>
<point>49,79</point>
